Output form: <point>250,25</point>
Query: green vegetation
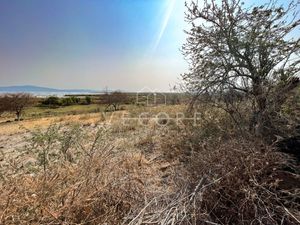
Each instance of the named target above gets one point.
<point>73,105</point>
<point>54,101</point>
<point>88,100</point>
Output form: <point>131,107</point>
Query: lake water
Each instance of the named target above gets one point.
<point>58,94</point>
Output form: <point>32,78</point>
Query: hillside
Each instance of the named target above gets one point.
<point>34,89</point>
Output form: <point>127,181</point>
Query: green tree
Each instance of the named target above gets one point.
<point>88,100</point>
<point>52,101</point>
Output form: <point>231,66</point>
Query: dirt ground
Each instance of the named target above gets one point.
<point>15,138</point>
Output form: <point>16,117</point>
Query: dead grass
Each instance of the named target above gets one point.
<point>110,173</point>
<point>239,179</point>
<point>99,185</point>
<point>42,123</point>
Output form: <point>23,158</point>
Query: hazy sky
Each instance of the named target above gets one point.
<point>119,44</point>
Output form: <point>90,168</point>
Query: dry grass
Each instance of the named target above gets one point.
<point>43,123</point>
<point>96,185</point>
<point>239,179</point>
<point>162,175</point>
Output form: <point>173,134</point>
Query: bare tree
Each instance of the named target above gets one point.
<point>3,103</point>
<point>253,51</point>
<point>115,99</point>
<point>16,103</point>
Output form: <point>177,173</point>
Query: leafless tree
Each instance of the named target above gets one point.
<point>16,103</point>
<point>3,103</point>
<point>253,51</point>
<point>115,99</point>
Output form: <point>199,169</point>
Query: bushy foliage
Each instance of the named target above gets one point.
<point>70,101</point>
<point>52,101</point>
<point>88,100</point>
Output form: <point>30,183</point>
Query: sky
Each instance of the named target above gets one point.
<point>93,44</point>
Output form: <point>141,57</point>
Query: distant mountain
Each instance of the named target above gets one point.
<point>37,89</point>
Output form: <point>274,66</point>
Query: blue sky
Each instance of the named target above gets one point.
<point>119,44</point>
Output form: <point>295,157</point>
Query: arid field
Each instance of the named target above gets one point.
<point>149,112</point>
<point>138,165</point>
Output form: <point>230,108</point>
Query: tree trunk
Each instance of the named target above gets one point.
<point>18,114</point>
<point>260,119</point>
<point>265,122</point>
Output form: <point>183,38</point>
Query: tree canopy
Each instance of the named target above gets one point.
<point>254,51</point>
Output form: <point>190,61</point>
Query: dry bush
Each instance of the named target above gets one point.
<point>228,55</point>
<point>236,181</point>
<point>226,180</point>
<point>247,186</point>
<point>91,193</point>
<point>114,100</point>
<point>239,179</point>
<point>98,186</point>
<point>16,103</point>
<point>188,175</point>
<point>123,126</point>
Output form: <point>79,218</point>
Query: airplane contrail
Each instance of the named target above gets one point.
<point>171,5</point>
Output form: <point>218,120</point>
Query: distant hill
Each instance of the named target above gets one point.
<point>37,89</point>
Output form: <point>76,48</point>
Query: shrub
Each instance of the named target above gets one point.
<point>67,101</point>
<point>82,181</point>
<point>70,101</point>
<point>88,100</point>
<point>75,100</point>
<point>225,177</point>
<point>52,101</point>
